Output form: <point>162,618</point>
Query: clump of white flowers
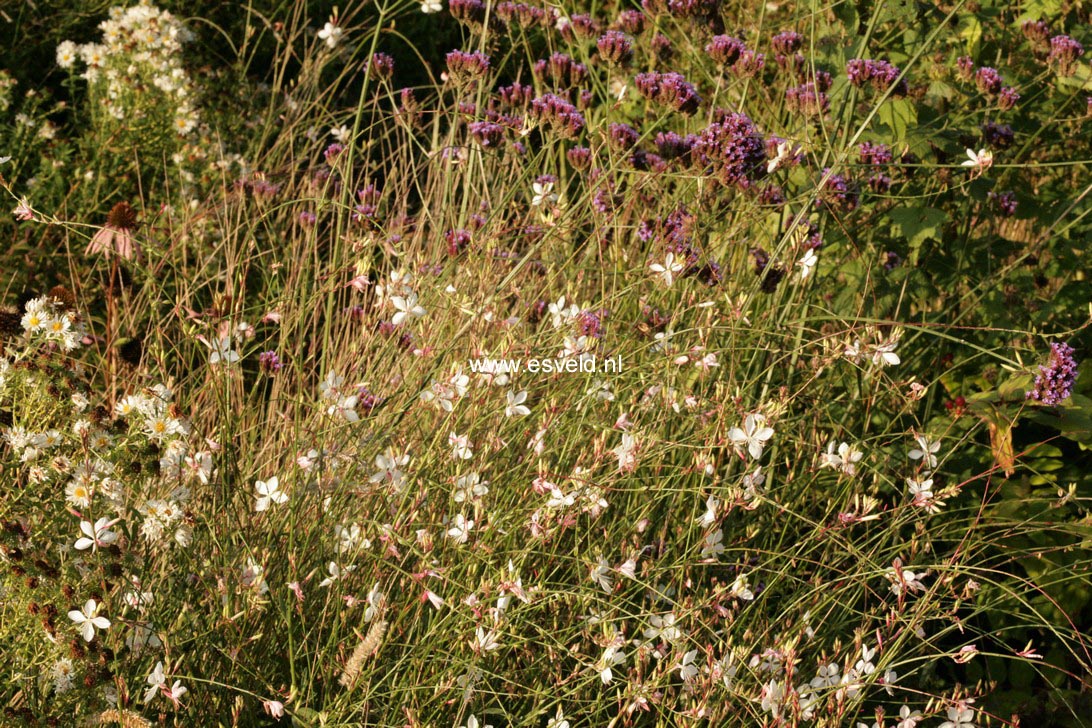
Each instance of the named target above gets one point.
<point>136,73</point>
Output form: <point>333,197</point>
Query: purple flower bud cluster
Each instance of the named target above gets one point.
<point>1037,32</point>
<point>516,96</point>
<point>367,204</point>
<point>1064,52</point>
<point>333,152</point>
<point>988,80</point>
<point>366,401</point>
<point>771,274</point>
<point>521,14</point>
<point>269,362</point>
<point>997,135</point>
<point>1054,383</point>
<point>457,241</point>
<point>731,149</point>
<point>691,8</point>
<point>892,260</point>
<point>382,66</point>
<point>673,146</point>
<point>585,26</point>
<point>880,74</point>
<point>1007,98</point>
<point>670,89</point>
<point>560,71</point>
<point>615,47</point>
<point>965,68</point>
<point>631,21</point>
<point>807,100</point>
<point>623,136</point>
<point>579,157</point>
<point>308,218</point>
<point>725,50</point>
<point>487,133</point>
<point>468,12</point>
<point>787,43</point>
<point>1005,202</point>
<point>590,323</point>
<point>837,193</point>
<point>558,114</point>
<point>463,65</point>
<point>661,47</point>
<point>874,154</point>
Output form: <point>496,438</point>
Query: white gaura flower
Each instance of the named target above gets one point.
<point>925,451</point>
<point>331,33</point>
<point>472,722</point>
<point>600,574</point>
<point>560,314</point>
<point>713,544</point>
<point>89,620</point>
<point>220,351</point>
<point>484,641</point>
<point>335,572</point>
<point>709,517</point>
<point>268,492</point>
<point>460,446</point>
<point>807,264</point>
<point>515,404</point>
<point>741,589</point>
<point>666,272</point>
<point>156,681</point>
<point>428,7</point>
<point>845,459</point>
<point>469,487</point>
<point>978,162</point>
<point>460,529</point>
<point>959,716</point>
<point>96,535</point>
<point>407,308</point>
<point>612,657</point>
<point>543,193</point>
<point>686,667</point>
<point>754,434</point>
<point>558,721</point>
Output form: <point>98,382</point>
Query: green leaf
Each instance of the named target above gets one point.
<point>916,225</point>
<point>970,30</point>
<point>898,115</point>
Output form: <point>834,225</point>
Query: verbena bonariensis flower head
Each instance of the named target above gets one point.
<point>1037,32</point>
<point>724,49</point>
<point>623,136</point>
<point>806,100</point>
<point>1064,52</point>
<point>382,65</point>
<point>516,95</point>
<point>837,193</point>
<point>787,43</point>
<point>1005,202</point>
<point>579,157</point>
<point>1007,98</point>
<point>965,68</point>
<point>670,89</point>
<point>879,74</point>
<point>988,80</point>
<point>875,154</point>
<point>558,114</point>
<point>615,47</point>
<point>521,14</point>
<point>457,241</point>
<point>560,71</point>
<point>487,133</point>
<point>998,135</point>
<point>631,21</point>
<point>731,149</point>
<point>463,65</point>
<point>1054,383</point>
<point>672,146</point>
<point>470,12</point>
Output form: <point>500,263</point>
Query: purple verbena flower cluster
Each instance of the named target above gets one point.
<point>1054,383</point>
<point>732,149</point>
<point>879,74</point>
<point>670,89</point>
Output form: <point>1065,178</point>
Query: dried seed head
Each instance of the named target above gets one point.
<point>122,216</point>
